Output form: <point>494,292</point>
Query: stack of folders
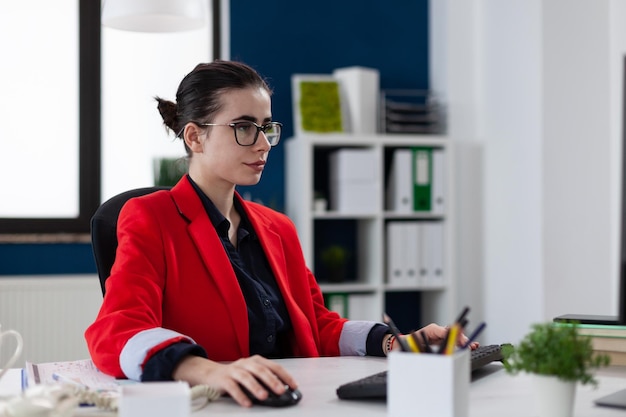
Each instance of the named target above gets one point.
<point>607,339</point>
<point>415,253</point>
<point>416,180</point>
<point>353,306</point>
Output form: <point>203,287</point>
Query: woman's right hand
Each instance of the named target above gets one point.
<point>227,377</point>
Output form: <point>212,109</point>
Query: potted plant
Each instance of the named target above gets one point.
<point>558,357</point>
<point>167,171</point>
<point>335,259</point>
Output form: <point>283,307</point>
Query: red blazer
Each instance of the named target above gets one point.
<point>171,272</point>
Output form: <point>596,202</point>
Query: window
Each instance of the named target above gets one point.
<point>67,146</point>
<point>50,139</point>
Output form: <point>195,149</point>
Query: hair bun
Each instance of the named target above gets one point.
<point>167,109</point>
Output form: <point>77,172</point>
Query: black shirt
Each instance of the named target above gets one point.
<point>268,319</point>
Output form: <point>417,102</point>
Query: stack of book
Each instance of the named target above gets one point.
<point>607,339</point>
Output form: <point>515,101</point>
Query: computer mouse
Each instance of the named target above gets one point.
<point>289,397</point>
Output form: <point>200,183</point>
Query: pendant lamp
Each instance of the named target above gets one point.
<point>154,15</point>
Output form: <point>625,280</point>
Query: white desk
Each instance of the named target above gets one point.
<point>493,393</point>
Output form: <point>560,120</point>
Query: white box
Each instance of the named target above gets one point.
<point>428,384</point>
<point>360,87</point>
<point>354,181</point>
<point>354,196</point>
<point>155,399</point>
<point>353,164</point>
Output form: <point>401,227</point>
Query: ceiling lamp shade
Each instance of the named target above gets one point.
<point>154,15</point>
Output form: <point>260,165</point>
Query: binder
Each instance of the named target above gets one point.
<point>413,258</point>
<point>438,181</point>
<point>396,256</point>
<point>360,307</point>
<point>399,185</point>
<point>337,302</point>
<point>433,253</point>
<point>422,178</point>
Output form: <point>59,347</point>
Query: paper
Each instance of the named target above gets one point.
<point>80,372</point>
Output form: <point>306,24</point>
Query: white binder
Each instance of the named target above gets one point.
<point>396,275</point>
<point>438,190</point>
<point>413,258</point>
<point>433,252</point>
<point>400,184</point>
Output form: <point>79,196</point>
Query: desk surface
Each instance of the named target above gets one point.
<point>492,392</point>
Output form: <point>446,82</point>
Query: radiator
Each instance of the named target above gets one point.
<point>51,313</point>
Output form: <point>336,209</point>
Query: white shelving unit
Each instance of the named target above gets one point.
<point>307,171</point>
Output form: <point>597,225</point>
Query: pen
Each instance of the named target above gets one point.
<point>462,315</point>
<point>427,347</point>
<point>396,333</point>
<point>24,379</point>
<point>444,342</point>
<point>463,323</point>
<point>67,380</point>
<point>475,334</point>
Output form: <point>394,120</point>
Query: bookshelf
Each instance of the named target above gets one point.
<point>367,287</point>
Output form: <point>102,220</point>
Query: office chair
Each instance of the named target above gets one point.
<point>104,230</point>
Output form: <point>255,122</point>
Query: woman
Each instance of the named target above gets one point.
<point>207,287</point>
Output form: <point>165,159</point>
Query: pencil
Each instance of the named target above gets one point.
<point>451,342</point>
<point>414,344</point>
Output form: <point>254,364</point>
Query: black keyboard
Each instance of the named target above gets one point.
<point>375,386</point>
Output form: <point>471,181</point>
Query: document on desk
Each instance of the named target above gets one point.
<point>80,372</point>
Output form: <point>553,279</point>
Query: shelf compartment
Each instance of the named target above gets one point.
<point>351,235</point>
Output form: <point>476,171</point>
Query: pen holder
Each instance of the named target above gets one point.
<point>428,384</point>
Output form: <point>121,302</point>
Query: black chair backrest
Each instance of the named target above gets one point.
<point>104,230</point>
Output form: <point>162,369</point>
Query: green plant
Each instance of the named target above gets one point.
<point>169,170</point>
<point>555,349</point>
<point>334,256</point>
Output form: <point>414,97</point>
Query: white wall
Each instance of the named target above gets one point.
<point>51,313</point>
<point>578,266</point>
<point>511,116</point>
<point>538,223</point>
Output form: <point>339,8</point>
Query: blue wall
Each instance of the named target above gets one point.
<point>280,38</point>
<point>48,258</point>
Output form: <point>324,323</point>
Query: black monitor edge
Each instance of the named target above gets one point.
<point>620,319</point>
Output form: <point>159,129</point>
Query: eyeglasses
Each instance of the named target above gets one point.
<point>247,133</point>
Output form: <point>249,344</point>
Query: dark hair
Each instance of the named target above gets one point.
<point>198,95</point>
